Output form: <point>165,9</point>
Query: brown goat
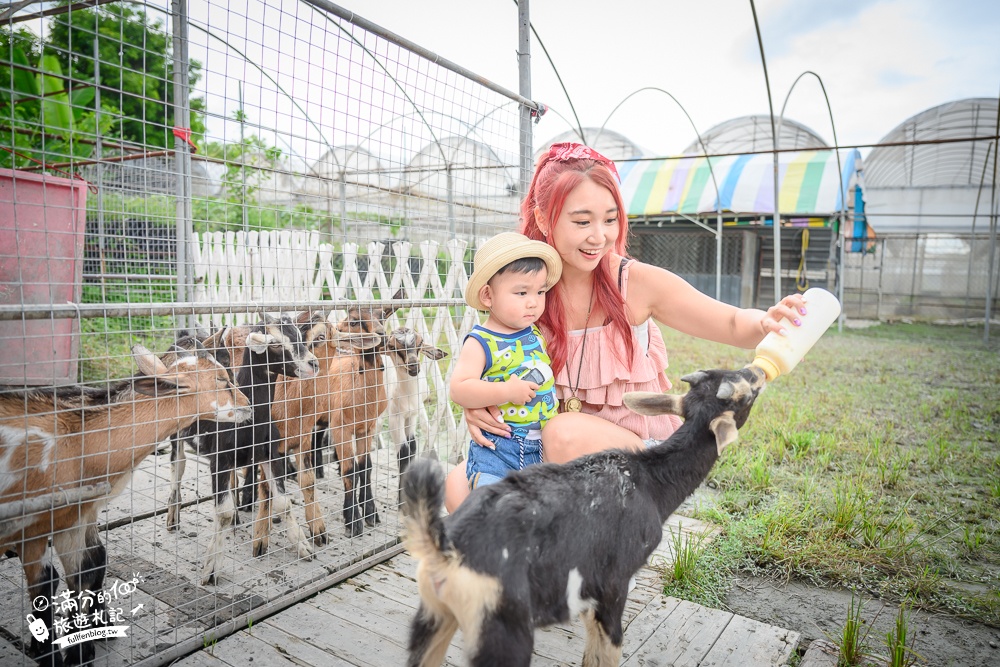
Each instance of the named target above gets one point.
<point>348,396</point>
<point>56,439</point>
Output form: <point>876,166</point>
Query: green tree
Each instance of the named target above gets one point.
<point>40,118</point>
<point>135,61</point>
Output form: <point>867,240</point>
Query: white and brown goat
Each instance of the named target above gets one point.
<point>58,439</point>
<point>404,348</point>
<point>550,542</point>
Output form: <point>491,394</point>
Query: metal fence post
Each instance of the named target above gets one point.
<point>182,157</point>
<point>524,89</point>
<point>99,154</point>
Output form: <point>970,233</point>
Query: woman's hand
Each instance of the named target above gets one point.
<point>792,307</point>
<point>485,419</point>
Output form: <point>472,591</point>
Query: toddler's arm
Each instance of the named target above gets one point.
<point>468,389</point>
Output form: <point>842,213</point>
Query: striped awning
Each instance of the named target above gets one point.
<point>809,184</point>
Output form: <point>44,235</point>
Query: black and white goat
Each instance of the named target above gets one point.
<point>273,347</point>
<point>404,348</point>
<point>553,541</point>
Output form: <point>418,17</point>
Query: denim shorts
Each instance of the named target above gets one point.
<point>488,466</point>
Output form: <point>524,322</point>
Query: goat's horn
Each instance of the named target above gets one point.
<point>726,390</point>
<point>694,378</point>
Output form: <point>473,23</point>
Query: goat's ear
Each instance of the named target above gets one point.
<point>650,403</point>
<point>153,386</point>
<point>358,340</point>
<point>724,428</point>
<point>215,340</point>
<point>258,342</point>
<point>694,378</point>
<point>433,352</point>
<point>310,316</point>
<point>148,362</point>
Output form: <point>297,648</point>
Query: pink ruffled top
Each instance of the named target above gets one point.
<point>604,379</point>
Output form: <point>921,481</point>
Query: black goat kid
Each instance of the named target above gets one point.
<point>553,541</point>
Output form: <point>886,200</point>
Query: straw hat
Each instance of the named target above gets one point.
<point>500,251</point>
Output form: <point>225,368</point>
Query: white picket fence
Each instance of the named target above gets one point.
<point>293,266</point>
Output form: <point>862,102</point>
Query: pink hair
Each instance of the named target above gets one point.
<point>550,186</point>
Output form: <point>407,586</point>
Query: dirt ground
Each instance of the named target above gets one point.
<point>818,613</point>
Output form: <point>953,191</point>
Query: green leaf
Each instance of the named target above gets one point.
<point>57,113</point>
<point>24,81</point>
<point>82,97</point>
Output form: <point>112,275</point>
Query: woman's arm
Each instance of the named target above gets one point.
<point>672,301</point>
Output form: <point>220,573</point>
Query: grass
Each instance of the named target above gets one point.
<point>900,641</point>
<point>873,466</point>
<point>853,636</point>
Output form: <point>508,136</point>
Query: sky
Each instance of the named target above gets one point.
<point>881,61</point>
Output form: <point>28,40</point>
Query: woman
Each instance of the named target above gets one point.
<point>597,317</point>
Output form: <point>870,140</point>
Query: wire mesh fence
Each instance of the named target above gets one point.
<point>235,240</point>
<point>233,243</point>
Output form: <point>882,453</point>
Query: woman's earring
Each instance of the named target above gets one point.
<point>545,233</point>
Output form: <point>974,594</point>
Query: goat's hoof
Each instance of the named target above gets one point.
<point>320,474</point>
<point>354,529</point>
<point>317,530</point>
<point>259,549</point>
<point>372,519</point>
<point>172,527</point>
<point>208,579</point>
<point>305,551</point>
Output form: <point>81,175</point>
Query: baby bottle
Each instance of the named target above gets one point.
<point>778,354</point>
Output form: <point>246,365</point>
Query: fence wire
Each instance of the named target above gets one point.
<point>234,243</point>
<point>234,238</point>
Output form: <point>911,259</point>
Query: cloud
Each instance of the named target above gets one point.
<point>893,78</point>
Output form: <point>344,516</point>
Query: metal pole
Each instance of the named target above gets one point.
<point>774,135</point>
<point>343,205</point>
<point>993,240</point>
<point>975,214</point>
<point>842,269</point>
<point>524,89</point>
<point>182,156</point>
<point>718,252</point>
<point>449,179</point>
<point>243,160</point>
<point>51,501</point>
<point>99,150</point>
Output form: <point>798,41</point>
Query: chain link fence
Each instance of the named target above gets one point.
<point>269,186</point>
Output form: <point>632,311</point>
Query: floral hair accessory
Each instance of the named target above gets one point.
<point>564,152</point>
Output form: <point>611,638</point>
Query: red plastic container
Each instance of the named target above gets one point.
<point>42,222</point>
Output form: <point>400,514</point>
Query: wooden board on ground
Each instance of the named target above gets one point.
<point>372,612</point>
